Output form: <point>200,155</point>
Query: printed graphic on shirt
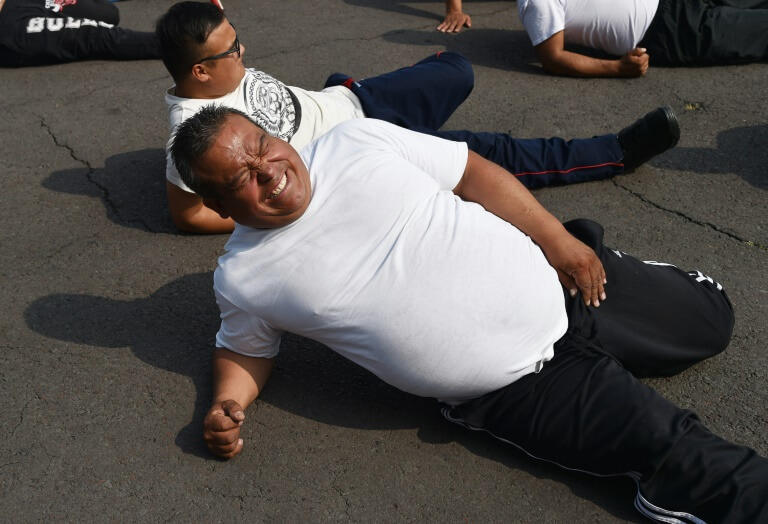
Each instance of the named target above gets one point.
<point>57,5</point>
<point>40,24</point>
<point>269,104</point>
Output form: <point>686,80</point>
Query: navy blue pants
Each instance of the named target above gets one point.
<point>586,411</point>
<point>423,96</point>
<point>708,32</point>
<point>32,33</point>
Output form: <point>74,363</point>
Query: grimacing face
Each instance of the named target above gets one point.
<point>259,180</point>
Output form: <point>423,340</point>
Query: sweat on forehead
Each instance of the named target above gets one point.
<point>195,136</point>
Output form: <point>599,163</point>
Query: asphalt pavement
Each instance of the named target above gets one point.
<point>108,317</point>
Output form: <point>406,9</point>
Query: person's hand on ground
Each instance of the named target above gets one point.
<point>634,63</point>
<point>221,428</point>
<point>454,21</point>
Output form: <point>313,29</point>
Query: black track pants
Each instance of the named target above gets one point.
<point>708,32</point>
<point>586,411</point>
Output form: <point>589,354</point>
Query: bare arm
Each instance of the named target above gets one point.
<point>502,194</point>
<point>237,381</point>
<point>455,19</point>
<point>190,214</point>
<point>555,59</point>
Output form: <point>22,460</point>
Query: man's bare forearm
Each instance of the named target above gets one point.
<point>237,381</point>
<point>502,194</point>
<point>190,214</point>
<point>555,59</point>
<point>238,377</point>
<point>499,192</point>
<point>452,6</point>
<point>568,63</point>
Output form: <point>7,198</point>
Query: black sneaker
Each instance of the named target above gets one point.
<point>653,134</point>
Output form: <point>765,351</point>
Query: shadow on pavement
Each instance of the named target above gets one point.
<point>399,7</point>
<point>741,150</point>
<point>502,49</point>
<point>131,186</point>
<point>173,329</point>
<point>402,7</point>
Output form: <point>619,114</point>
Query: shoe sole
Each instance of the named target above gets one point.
<point>674,126</point>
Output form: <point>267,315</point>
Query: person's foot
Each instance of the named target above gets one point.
<point>650,136</point>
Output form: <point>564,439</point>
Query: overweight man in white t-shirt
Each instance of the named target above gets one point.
<point>637,32</point>
<point>437,271</point>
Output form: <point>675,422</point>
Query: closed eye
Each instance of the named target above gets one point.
<point>241,182</point>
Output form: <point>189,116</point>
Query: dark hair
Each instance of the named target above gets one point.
<point>193,138</point>
<point>182,31</point>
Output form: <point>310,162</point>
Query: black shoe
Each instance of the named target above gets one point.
<point>651,135</point>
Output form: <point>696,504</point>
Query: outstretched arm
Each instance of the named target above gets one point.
<point>555,59</point>
<point>190,214</point>
<point>494,188</point>
<point>237,381</point>
<point>455,19</point>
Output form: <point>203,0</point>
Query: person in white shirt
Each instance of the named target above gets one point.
<point>201,50</point>
<point>440,273</point>
<point>637,32</point>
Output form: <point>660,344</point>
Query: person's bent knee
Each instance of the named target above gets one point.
<point>462,64</point>
<point>722,324</point>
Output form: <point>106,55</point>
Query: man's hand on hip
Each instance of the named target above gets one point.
<point>578,268</point>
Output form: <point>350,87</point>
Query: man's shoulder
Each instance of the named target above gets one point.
<point>541,18</point>
<point>524,6</point>
<point>230,263</point>
<point>351,136</point>
<point>362,129</point>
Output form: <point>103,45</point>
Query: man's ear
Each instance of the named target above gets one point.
<point>200,73</point>
<point>215,205</point>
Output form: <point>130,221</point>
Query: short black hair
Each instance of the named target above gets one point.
<point>182,31</point>
<point>193,138</point>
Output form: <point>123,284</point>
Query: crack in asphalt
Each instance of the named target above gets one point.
<point>29,269</point>
<point>343,496</point>
<point>21,415</point>
<point>87,95</point>
<point>106,197</point>
<point>690,219</point>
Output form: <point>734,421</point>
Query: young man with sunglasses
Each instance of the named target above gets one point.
<point>203,54</point>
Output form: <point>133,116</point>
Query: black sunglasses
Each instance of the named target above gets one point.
<point>235,49</point>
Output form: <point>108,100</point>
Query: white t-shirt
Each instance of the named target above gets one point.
<point>614,26</point>
<point>390,269</point>
<point>267,101</point>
